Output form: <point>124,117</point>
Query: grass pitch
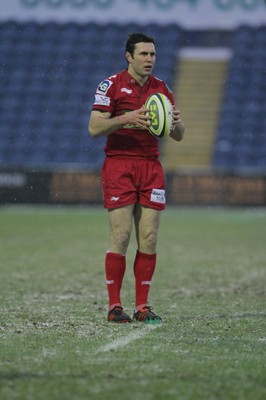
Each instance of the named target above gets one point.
<point>209,287</point>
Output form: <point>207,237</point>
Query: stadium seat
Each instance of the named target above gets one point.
<point>242,118</point>
<point>48,79</point>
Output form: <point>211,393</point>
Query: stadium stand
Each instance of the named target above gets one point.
<point>48,76</point>
<point>49,72</point>
<point>241,136</point>
<point>198,92</point>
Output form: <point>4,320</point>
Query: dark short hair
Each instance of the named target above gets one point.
<point>137,37</point>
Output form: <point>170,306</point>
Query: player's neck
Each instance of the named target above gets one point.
<point>140,79</point>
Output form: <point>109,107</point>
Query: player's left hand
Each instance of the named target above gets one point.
<point>178,128</point>
<point>177,116</point>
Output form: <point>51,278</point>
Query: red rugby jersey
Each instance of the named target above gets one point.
<point>119,94</point>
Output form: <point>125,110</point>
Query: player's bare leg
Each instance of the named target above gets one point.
<point>147,223</point>
<point>120,222</point>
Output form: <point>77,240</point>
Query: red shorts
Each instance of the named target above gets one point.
<point>130,180</point>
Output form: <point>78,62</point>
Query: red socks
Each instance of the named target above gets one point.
<point>115,266</point>
<point>144,267</point>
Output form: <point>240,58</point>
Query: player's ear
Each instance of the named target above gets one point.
<point>128,57</point>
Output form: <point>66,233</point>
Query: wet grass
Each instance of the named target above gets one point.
<point>209,287</point>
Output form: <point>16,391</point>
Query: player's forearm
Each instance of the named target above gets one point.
<point>104,126</point>
<point>178,131</point>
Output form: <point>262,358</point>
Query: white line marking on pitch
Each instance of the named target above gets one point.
<point>124,341</point>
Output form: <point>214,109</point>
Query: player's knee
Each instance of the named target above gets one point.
<point>119,242</point>
<point>148,243</point>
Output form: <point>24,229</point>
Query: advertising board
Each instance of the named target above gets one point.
<point>196,14</point>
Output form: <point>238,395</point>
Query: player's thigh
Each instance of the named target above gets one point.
<point>147,222</point>
<point>120,223</point>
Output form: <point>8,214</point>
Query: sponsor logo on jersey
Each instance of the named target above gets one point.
<point>128,91</point>
<point>104,86</point>
<point>102,100</point>
<point>158,196</point>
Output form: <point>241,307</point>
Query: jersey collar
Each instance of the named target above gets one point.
<point>133,81</point>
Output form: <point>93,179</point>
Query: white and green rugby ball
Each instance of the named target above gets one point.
<point>161,113</point>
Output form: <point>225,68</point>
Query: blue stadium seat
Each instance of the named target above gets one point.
<point>47,94</point>
<point>243,117</point>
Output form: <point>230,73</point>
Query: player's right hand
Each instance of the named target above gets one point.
<point>139,118</point>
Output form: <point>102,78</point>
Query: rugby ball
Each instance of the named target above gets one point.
<point>161,113</point>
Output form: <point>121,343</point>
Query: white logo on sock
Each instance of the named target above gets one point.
<point>109,282</point>
<point>146,282</point>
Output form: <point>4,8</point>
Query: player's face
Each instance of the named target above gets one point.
<point>142,62</point>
